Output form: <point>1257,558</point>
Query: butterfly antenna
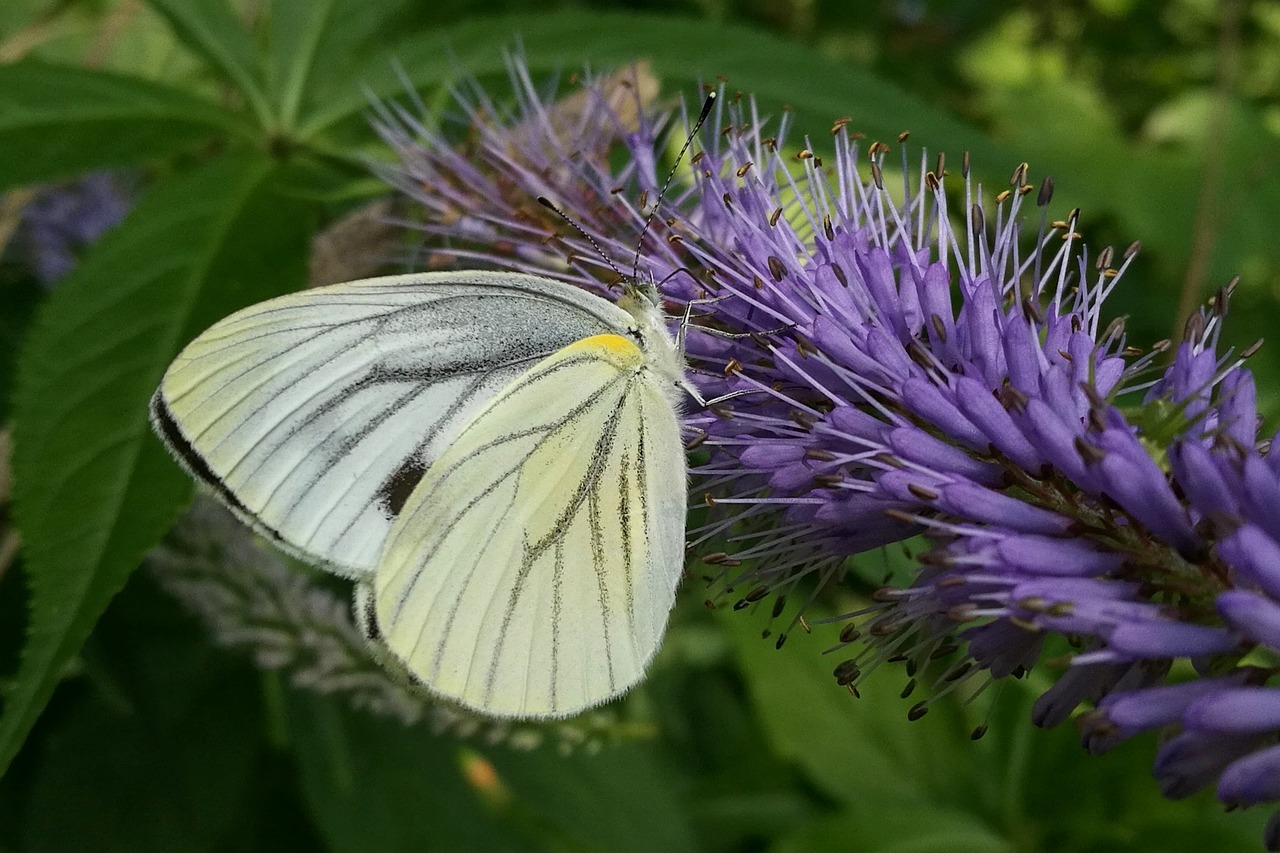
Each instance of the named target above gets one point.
<point>662,193</point>
<point>635,264</point>
<point>546,202</point>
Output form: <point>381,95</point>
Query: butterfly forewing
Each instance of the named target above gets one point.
<point>533,568</point>
<point>315,415</point>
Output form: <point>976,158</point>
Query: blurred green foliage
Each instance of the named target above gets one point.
<point>245,125</point>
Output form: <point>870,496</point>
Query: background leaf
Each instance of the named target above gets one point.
<point>93,488</point>
<point>22,299</point>
<point>314,46</point>
<point>162,751</point>
<point>56,122</point>
<point>620,797</point>
<point>925,786</point>
<point>374,786</point>
<point>568,40</point>
<point>856,749</point>
<point>892,826</point>
<point>213,32</point>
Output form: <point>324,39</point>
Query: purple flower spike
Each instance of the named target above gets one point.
<point>1261,496</point>
<point>1090,683</point>
<point>976,402</point>
<point>1005,648</point>
<point>889,364</point>
<point>62,220</point>
<point>1238,412</point>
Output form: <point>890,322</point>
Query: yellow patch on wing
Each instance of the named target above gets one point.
<point>619,351</point>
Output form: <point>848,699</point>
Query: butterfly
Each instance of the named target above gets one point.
<point>495,458</point>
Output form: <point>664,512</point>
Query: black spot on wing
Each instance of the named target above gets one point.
<point>396,490</point>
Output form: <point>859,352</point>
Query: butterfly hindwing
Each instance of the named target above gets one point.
<point>533,568</point>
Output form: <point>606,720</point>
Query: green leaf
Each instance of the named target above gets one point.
<point>211,30</point>
<point>57,121</point>
<point>159,753</point>
<point>856,748</point>
<point>1187,827</point>
<point>19,298</point>
<point>620,798</point>
<point>374,784</point>
<point>879,826</point>
<point>924,786</point>
<point>819,88</point>
<point>93,489</point>
<point>314,45</point>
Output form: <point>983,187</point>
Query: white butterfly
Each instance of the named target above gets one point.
<point>495,457</point>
